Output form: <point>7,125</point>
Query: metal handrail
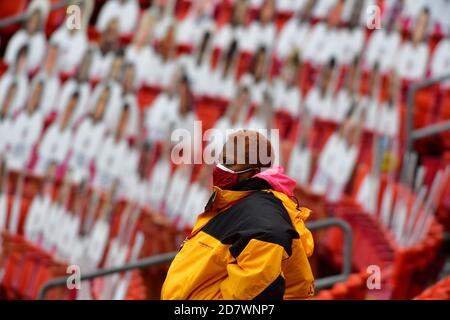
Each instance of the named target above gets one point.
<point>167,257</point>
<point>140,264</point>
<point>411,134</point>
<point>327,282</point>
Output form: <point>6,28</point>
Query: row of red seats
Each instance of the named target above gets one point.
<point>439,291</point>
<point>402,269</point>
<point>373,244</point>
<point>27,267</point>
<point>432,165</point>
<point>352,289</point>
<point>408,276</point>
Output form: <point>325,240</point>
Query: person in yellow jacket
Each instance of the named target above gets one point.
<point>251,241</point>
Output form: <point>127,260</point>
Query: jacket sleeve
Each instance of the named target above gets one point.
<point>256,273</point>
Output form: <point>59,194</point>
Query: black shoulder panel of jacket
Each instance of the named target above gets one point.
<point>259,216</point>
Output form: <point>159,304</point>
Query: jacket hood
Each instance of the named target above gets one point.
<point>278,180</point>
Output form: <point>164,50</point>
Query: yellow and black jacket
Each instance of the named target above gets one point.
<point>250,243</point>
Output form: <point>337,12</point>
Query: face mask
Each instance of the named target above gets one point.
<point>224,177</point>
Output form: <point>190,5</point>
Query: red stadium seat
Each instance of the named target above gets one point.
<point>147,95</point>
<point>93,34</point>
<point>11,9</point>
<point>55,18</point>
<point>283,17</point>
<point>223,12</point>
<point>285,123</point>
<point>182,8</point>
<point>144,4</point>
<point>243,63</point>
<point>439,291</point>
<point>215,57</point>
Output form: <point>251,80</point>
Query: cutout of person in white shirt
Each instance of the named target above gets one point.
<point>412,58</point>
<point>68,235</point>
<point>352,38</point>
<point>196,23</point>
<point>186,109</point>
<point>125,11</point>
<point>146,160</point>
<point>140,52</point>
<point>198,65</point>
<point>105,50</point>
<point>32,34</point>
<point>114,103</point>
<point>346,158</point>
<point>389,124</point>
<point>50,77</point>
<point>132,185</point>
<point>161,115</point>
<point>26,130</point>
<point>164,12</point>
<point>87,139</point>
<point>262,119</point>
<point>325,40</point>
<point>112,154</point>
<point>294,34</point>
<point>79,84</point>
<point>389,119</point>
<point>382,47</point>
<point>261,32</point>
<point>319,100</point>
<point>234,30</point>
<point>55,144</point>
<point>129,97</point>
<point>6,119</point>
<point>165,63</point>
<point>37,214</point>
<point>179,184</point>
<point>440,63</point>
<point>223,82</point>
<point>72,42</point>
<point>159,179</point>
<point>287,96</point>
<point>333,156</point>
<point>300,160</point>
<point>196,199</point>
<point>348,93</point>
<point>257,75</point>
<point>113,83</point>
<point>185,118</point>
<point>371,102</point>
<point>16,75</point>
